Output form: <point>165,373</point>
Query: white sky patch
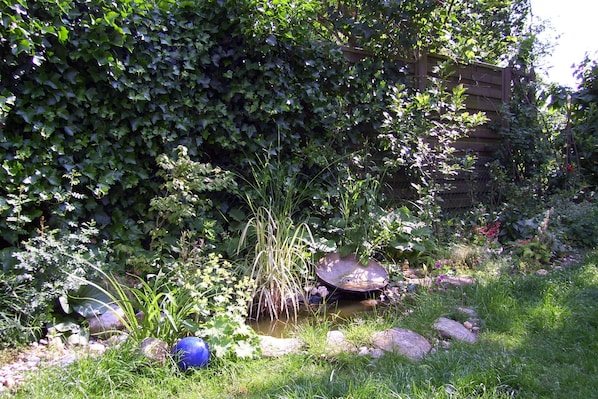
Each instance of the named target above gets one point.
<point>576,21</point>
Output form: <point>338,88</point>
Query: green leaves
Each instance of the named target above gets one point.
<point>115,84</point>
<point>419,135</point>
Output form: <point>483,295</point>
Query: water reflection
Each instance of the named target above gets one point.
<point>339,311</point>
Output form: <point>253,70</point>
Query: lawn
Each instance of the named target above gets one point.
<point>538,340</point>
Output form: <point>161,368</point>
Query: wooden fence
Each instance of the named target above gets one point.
<point>488,88</point>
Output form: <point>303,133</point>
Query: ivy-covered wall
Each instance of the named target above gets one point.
<point>92,92</point>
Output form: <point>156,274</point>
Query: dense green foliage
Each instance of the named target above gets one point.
<point>151,119</point>
<point>49,268</point>
<point>422,129</point>
<point>482,30</point>
<point>584,121</point>
<point>107,88</point>
<point>92,93</point>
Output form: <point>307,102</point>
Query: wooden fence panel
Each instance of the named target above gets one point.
<point>488,88</point>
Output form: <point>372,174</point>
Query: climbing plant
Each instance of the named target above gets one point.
<point>481,30</point>
<point>92,93</point>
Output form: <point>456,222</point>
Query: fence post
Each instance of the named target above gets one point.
<point>421,71</point>
<point>507,78</point>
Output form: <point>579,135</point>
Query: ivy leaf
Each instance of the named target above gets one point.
<point>63,34</point>
<point>271,40</point>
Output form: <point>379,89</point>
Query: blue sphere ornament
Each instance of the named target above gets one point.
<point>191,352</point>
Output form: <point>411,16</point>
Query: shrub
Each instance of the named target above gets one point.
<point>419,133</point>
<point>196,295</point>
<point>102,89</point>
<point>49,267</point>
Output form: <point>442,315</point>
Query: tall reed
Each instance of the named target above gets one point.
<point>275,241</point>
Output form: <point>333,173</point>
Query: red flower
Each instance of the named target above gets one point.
<point>569,168</point>
<point>491,230</point>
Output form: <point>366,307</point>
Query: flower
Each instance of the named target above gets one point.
<point>570,168</point>
<point>490,231</point>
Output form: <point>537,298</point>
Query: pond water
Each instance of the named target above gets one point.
<point>339,311</point>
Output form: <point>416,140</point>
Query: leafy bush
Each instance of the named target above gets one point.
<point>585,121</point>
<point>101,90</point>
<point>359,223</point>
<point>183,208</point>
<point>419,135</point>
<point>576,222</point>
<point>197,295</point>
<point>48,268</point>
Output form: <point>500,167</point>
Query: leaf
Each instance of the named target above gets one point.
<point>64,304</point>
<point>63,34</point>
<point>67,326</point>
<point>244,349</point>
<point>271,40</point>
<point>89,301</point>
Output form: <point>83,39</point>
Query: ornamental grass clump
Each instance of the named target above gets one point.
<point>280,265</point>
<point>275,245</point>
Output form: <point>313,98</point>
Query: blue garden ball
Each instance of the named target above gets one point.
<point>191,352</point>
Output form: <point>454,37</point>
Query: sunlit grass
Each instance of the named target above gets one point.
<point>538,340</point>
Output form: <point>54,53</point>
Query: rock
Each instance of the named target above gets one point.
<point>403,342</point>
<point>363,351</point>
<point>107,323</point>
<point>474,321</point>
<point>458,281</point>
<point>97,347</point>
<point>56,343</point>
<point>453,329</point>
<point>443,281</point>
<point>470,312</point>
<point>376,353</point>
<point>67,360</point>
<point>154,349</point>
<point>337,343</point>
<point>117,339</point>
<point>77,339</point>
<point>9,382</point>
<point>275,347</point>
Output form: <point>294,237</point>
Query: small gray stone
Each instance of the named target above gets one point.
<point>154,349</point>
<point>67,360</point>
<point>274,347</point>
<point>468,311</point>
<point>403,342</point>
<point>107,323</point>
<point>337,343</point>
<point>77,339</point>
<point>97,347</point>
<point>453,329</point>
<point>9,382</point>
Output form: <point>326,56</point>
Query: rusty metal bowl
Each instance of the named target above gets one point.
<point>349,275</point>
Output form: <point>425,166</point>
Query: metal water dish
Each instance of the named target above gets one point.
<point>348,274</point>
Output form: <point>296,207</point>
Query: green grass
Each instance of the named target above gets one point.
<point>539,340</point>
